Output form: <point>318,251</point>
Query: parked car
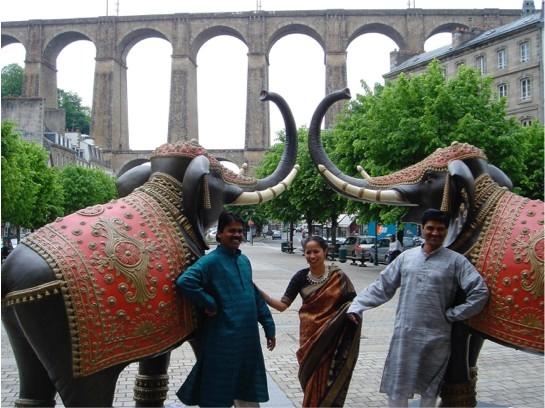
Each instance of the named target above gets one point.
<point>362,243</point>
<point>276,234</point>
<point>333,248</point>
<point>382,249</point>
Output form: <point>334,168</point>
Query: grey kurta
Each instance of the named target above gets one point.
<point>420,346</point>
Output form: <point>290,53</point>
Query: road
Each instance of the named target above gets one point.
<point>507,377</point>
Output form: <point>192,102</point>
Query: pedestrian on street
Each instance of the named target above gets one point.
<point>230,369</point>
<point>428,278</point>
<point>328,342</point>
<point>395,248</point>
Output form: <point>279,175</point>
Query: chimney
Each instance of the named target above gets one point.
<point>462,35</point>
<point>528,8</point>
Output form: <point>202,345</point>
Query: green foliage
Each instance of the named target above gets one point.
<point>84,187</point>
<point>12,80</point>
<point>307,194</point>
<point>410,117</point>
<point>532,184</point>
<point>31,193</point>
<point>78,117</point>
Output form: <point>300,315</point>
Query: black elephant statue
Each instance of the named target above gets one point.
<point>500,232</point>
<point>90,293</point>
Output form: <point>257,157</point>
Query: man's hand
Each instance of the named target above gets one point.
<point>353,317</point>
<point>271,343</point>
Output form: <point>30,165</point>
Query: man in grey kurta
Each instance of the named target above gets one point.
<point>230,367</point>
<point>428,278</point>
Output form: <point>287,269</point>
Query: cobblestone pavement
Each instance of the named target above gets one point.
<point>507,377</point>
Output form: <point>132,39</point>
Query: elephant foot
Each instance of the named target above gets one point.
<point>28,402</point>
<point>459,395</point>
<point>150,390</point>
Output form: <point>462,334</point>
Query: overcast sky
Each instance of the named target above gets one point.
<point>296,70</point>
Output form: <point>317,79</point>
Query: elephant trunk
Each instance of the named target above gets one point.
<point>350,187</point>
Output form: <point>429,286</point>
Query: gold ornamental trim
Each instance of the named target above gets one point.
<point>32,294</point>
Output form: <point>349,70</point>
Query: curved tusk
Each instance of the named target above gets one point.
<point>361,193</point>
<point>363,173</point>
<point>258,197</point>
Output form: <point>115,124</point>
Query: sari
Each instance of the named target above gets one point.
<point>329,342</point>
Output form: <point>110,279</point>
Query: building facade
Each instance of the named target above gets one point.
<point>511,54</point>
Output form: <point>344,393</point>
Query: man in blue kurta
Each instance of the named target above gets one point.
<point>230,369</point>
<point>428,278</point>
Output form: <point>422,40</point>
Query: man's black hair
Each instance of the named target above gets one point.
<point>435,215</point>
<point>227,218</point>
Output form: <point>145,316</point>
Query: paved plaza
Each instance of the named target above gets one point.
<point>507,377</point>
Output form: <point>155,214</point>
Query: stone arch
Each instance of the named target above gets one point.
<point>210,33</point>
<point>446,28</point>
<point>134,37</point>
<point>294,29</point>
<point>379,28</point>
<point>57,43</point>
<point>10,39</point>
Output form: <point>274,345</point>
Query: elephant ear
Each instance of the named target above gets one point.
<point>132,175</point>
<point>459,197</point>
<point>500,177</point>
<point>196,195</point>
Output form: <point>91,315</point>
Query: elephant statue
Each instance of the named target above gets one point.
<point>92,292</point>
<point>500,232</point>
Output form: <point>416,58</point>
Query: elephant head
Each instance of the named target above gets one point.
<point>207,184</point>
<point>445,179</point>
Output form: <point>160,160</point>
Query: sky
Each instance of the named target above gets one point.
<point>296,69</point>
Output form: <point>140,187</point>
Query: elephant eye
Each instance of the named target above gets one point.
<point>426,178</point>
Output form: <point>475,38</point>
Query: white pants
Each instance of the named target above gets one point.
<point>424,402</point>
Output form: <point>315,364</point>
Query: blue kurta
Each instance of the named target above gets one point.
<point>230,361</point>
<point>420,346</point>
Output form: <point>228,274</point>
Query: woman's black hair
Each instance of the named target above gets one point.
<point>322,242</point>
<point>225,219</point>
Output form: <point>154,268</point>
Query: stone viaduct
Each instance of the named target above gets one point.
<point>114,36</point>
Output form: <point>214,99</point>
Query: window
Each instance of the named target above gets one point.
<point>502,59</point>
<point>524,51</point>
<point>526,121</point>
<point>480,64</point>
<point>502,90</point>
<point>459,65</point>
<point>525,89</point>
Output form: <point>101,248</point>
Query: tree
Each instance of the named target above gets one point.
<point>31,193</point>
<point>407,119</point>
<point>78,117</point>
<point>12,80</point>
<point>84,187</point>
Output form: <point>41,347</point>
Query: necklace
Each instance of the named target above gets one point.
<point>313,281</point>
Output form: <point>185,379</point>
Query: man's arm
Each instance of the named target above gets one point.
<point>191,284</point>
<point>265,318</point>
<point>475,289</point>
<point>379,292</point>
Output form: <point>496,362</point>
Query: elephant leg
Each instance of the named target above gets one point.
<point>95,390</point>
<point>151,385</point>
<point>35,387</point>
<point>45,325</point>
<point>475,345</point>
<point>458,390</point>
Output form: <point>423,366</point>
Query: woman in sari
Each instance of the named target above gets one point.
<point>329,342</point>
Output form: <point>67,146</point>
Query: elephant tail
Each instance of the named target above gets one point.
<point>33,294</point>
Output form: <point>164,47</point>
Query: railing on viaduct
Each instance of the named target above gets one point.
<point>113,38</point>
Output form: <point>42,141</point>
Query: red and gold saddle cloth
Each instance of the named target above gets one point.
<point>118,263</point>
<point>509,255</point>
